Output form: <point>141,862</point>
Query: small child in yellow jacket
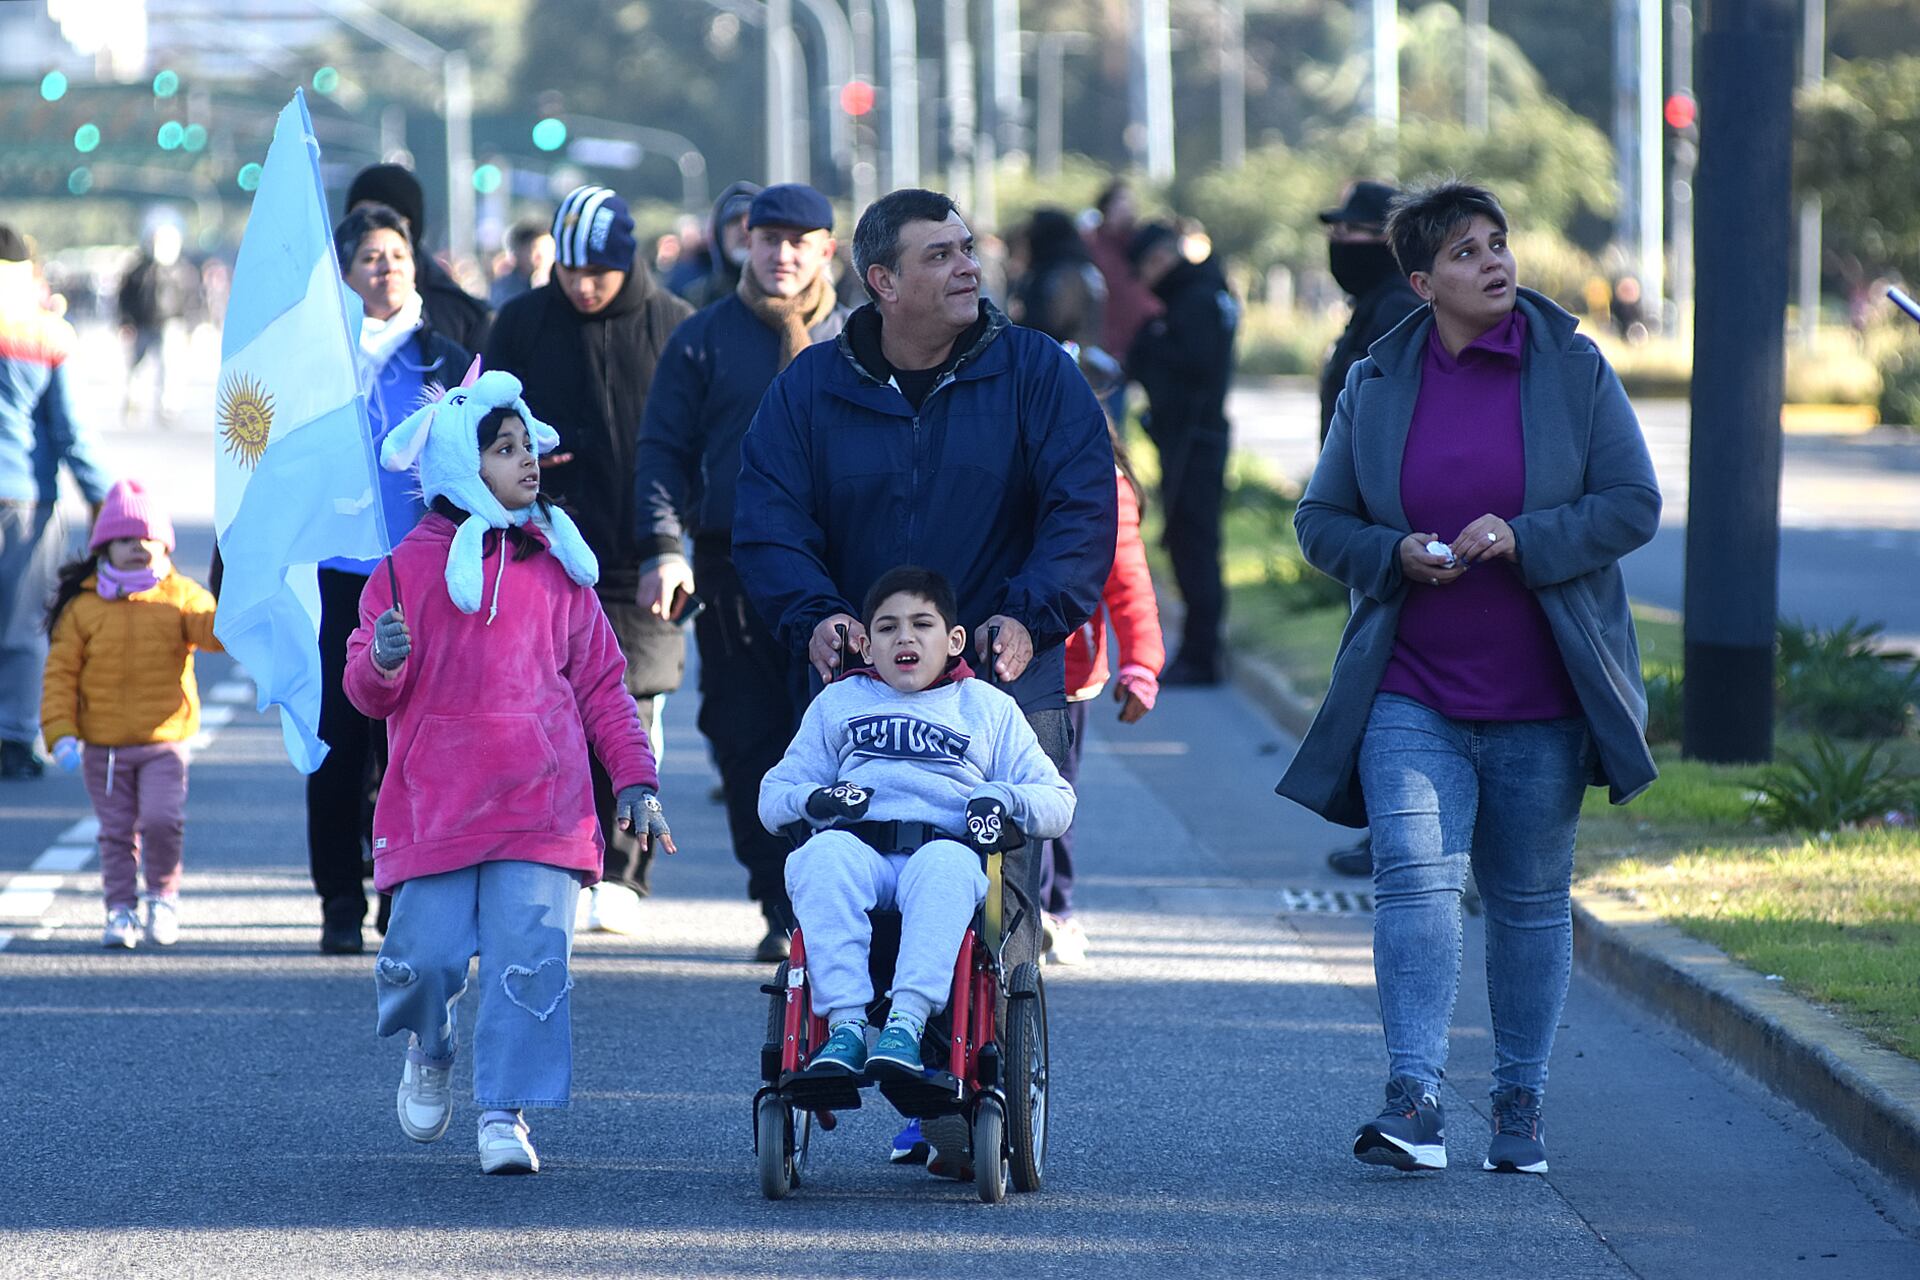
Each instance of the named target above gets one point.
<point>120,699</point>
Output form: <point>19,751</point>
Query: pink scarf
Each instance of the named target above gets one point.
<point>117,584</point>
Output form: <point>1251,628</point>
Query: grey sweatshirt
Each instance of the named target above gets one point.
<point>923,755</point>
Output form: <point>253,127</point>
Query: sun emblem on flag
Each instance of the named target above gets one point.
<point>246,418</point>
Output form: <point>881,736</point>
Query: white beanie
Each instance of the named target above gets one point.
<point>443,437</point>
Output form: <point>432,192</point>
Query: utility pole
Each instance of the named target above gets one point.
<point>1813,59</point>
<point>961,104</point>
<point>1049,71</point>
<point>1233,84</point>
<point>1478,92</point>
<point>1638,144</point>
<point>903,95</point>
<point>1156,55</point>
<point>779,91</point>
<point>1384,31</point>
<point>1733,512</point>
<point>1686,156</point>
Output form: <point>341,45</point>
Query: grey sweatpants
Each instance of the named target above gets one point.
<point>835,878</point>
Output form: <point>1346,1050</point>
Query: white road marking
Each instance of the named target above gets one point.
<point>29,895</point>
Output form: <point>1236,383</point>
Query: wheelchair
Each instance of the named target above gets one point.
<point>985,1083</point>
<point>989,1044</point>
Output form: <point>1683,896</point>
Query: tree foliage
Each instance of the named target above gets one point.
<point>1857,146</point>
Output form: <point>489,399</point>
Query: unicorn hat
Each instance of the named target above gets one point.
<point>442,437</point>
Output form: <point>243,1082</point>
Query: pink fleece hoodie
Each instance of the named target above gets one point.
<point>488,725</point>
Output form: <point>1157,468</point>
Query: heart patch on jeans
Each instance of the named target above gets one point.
<point>538,990</point>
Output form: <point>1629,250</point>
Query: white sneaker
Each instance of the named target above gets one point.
<point>1069,943</point>
<point>614,909</point>
<point>504,1148</point>
<point>163,921</point>
<point>123,929</point>
<point>425,1099</point>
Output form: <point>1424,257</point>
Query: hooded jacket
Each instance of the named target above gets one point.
<point>1184,356</point>
<point>923,755</point>
<point>1591,497</point>
<point>717,366</point>
<point>1003,480</point>
<point>721,275</point>
<point>120,672</point>
<point>489,721</point>
<point>590,375</point>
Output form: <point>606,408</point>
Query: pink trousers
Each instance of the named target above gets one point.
<point>140,796</point>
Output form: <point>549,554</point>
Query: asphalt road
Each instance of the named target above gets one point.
<point>224,1109</point>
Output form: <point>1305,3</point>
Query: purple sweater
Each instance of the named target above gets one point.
<point>1480,648</point>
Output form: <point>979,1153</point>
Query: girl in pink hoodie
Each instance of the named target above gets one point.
<point>496,671</point>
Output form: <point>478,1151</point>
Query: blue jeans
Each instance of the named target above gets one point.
<point>1507,795</point>
<point>517,917</point>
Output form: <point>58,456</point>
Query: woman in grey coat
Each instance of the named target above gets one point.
<point>1483,476</point>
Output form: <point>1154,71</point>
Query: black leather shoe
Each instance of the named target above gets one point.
<point>773,948</point>
<point>1354,860</point>
<point>342,938</point>
<point>19,761</point>
<point>1185,671</point>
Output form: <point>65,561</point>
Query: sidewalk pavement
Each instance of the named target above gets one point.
<point>1868,1096</point>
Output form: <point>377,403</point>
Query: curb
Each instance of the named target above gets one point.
<point>1867,1096</point>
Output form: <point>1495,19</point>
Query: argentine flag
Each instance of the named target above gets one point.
<point>293,459</point>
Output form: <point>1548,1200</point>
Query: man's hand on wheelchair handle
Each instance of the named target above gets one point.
<point>841,802</point>
<point>823,650</point>
<point>1012,652</point>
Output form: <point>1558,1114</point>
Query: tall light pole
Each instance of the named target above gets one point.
<point>1156,54</point>
<point>1637,141</point>
<point>961,103</point>
<point>1686,155</point>
<point>1813,59</point>
<point>903,94</point>
<point>1233,83</point>
<point>456,105</point>
<point>1384,33</point>
<point>779,90</point>
<point>1478,91</point>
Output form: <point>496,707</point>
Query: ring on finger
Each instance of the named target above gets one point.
<point>1492,536</point>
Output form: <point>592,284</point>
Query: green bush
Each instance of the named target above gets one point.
<point>1900,384</point>
<point>1827,788</point>
<point>1840,682</point>
<point>1664,690</point>
<point>1274,342</point>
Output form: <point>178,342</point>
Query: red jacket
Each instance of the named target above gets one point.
<point>488,725</point>
<point>1127,602</point>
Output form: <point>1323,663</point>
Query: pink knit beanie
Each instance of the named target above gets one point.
<point>131,512</point>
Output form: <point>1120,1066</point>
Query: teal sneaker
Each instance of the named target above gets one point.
<point>898,1050</point>
<point>845,1050</point>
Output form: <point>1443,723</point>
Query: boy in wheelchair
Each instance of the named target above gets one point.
<point>907,773</point>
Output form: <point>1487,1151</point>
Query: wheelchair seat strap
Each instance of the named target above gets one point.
<point>899,837</point>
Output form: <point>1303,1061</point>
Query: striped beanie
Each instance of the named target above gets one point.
<point>592,228</point>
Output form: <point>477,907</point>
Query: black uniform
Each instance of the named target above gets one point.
<point>1387,301</point>
<point>588,377</point>
<point>716,367</point>
<point>1184,359</point>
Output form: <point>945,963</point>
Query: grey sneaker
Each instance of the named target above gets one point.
<point>123,929</point>
<point>424,1101</point>
<point>1516,1146</point>
<point>163,921</point>
<point>1410,1134</point>
<point>505,1148</point>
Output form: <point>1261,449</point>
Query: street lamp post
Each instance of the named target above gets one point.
<point>903,93</point>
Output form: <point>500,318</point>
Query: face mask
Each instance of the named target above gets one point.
<point>1359,266</point>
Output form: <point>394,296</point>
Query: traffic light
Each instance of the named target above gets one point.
<point>856,98</point>
<point>1682,112</point>
<point>80,181</point>
<point>487,179</point>
<point>166,84</point>
<point>249,177</point>
<point>53,86</point>
<point>86,138</point>
<point>326,80</point>
<point>172,135</point>
<point>550,134</point>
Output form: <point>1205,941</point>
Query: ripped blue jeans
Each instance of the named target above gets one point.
<point>517,917</point>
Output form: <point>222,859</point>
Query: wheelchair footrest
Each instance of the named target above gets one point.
<point>938,1093</point>
<point>825,1090</point>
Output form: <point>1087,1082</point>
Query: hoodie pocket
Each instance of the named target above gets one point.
<point>480,773</point>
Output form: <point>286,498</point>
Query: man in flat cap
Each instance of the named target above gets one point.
<point>716,367</point>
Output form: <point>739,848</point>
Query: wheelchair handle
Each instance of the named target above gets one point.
<point>840,652</point>
<point>993,638</point>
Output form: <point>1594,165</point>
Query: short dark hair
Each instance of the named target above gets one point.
<point>13,245</point>
<point>1111,192</point>
<point>1420,219</point>
<point>489,425</point>
<point>925,584</point>
<point>363,222</point>
<point>523,233</point>
<point>876,240</point>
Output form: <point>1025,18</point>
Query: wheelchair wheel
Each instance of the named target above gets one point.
<point>1026,1076</point>
<point>990,1151</point>
<point>773,1133</point>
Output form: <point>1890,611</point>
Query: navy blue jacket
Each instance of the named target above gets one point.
<point>716,367</point>
<point>1003,481</point>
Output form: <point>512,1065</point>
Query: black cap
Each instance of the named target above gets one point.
<point>395,186</point>
<point>1147,239</point>
<point>790,204</point>
<point>1365,205</point>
